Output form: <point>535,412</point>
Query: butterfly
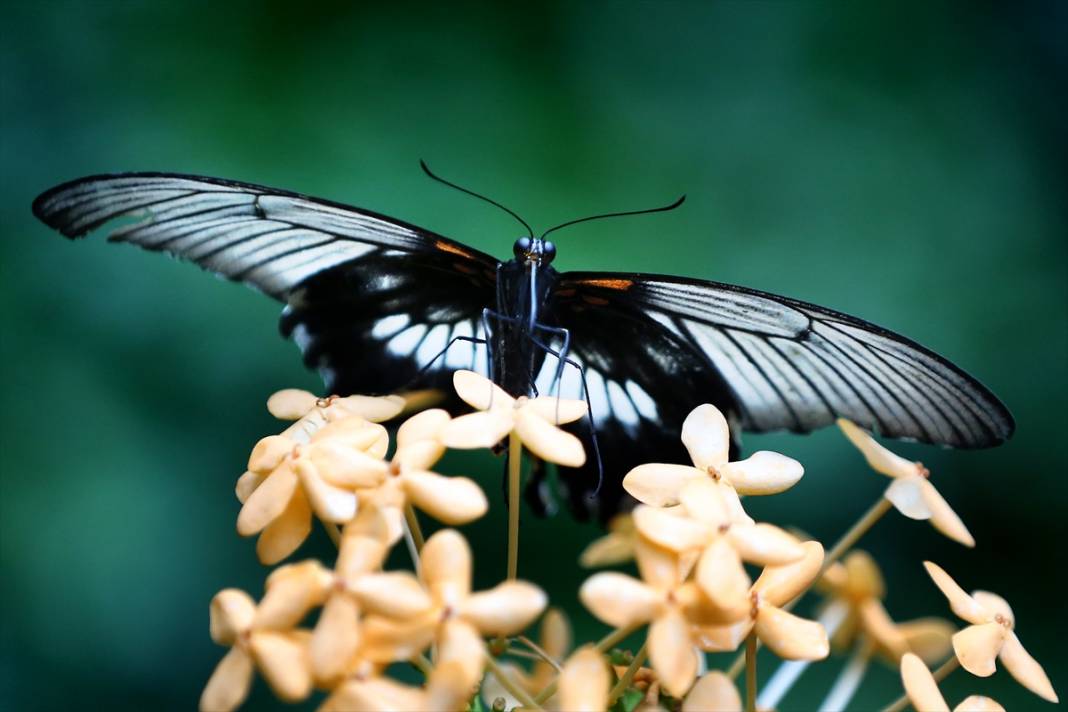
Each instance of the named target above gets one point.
<point>377,305</point>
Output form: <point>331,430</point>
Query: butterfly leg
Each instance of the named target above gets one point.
<point>563,359</point>
<point>469,339</point>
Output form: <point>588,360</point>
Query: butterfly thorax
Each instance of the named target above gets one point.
<point>523,289</point>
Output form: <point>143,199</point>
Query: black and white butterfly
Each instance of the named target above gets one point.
<point>371,301</point>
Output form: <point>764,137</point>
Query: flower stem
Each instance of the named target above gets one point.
<point>510,686</point>
<point>750,672</point>
<point>628,674</point>
<point>940,674</point>
<point>539,651</point>
<point>849,679</point>
<point>413,526</point>
<point>515,453</point>
<point>881,507</point>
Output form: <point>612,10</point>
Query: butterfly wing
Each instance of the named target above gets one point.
<point>792,365</point>
<point>368,297</point>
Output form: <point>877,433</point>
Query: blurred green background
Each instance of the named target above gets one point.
<point>904,163</point>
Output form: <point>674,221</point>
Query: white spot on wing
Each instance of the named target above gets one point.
<point>389,325</point>
<point>462,353</point>
<point>432,345</point>
<point>622,408</point>
<point>642,401</point>
<point>404,343</point>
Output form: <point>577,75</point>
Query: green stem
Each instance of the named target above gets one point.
<point>750,672</point>
<point>628,674</point>
<point>539,651</point>
<point>413,526</point>
<point>515,454</point>
<point>507,683</point>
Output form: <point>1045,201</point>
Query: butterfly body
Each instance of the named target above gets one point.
<point>376,304</point>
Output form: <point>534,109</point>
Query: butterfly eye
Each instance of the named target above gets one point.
<point>521,247</point>
<point>548,251</point>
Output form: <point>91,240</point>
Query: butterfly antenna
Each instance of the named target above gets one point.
<point>674,205</point>
<point>439,179</point>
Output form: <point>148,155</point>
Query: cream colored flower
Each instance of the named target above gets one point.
<point>991,635</point>
<point>707,438</point>
<point>713,692</point>
<point>584,681</point>
<point>923,693</point>
<point>664,600</point>
<point>292,484</point>
<point>911,492</point>
<point>449,687</point>
<point>787,635</point>
<point>407,476</point>
<point>315,411</point>
<point>278,652</point>
<point>615,547</point>
<point>535,421</point>
<point>412,612</point>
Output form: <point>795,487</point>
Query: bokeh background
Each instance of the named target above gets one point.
<point>902,162</point>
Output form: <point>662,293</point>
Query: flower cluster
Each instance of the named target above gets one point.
<point>341,628</point>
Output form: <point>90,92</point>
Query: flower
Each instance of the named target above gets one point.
<point>922,690</point>
<point>663,599</point>
<point>584,681</point>
<point>532,420</point>
<point>991,635</point>
<point>315,411</point>
<point>713,692</point>
<point>413,612</point>
<point>787,635</point>
<point>279,653</point>
<point>406,477</point>
<point>615,547</point>
<point>707,438</point>
<point>857,583</point>
<point>911,492</point>
<point>288,481</point>
<point>446,690</point>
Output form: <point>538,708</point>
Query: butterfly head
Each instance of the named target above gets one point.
<point>534,250</point>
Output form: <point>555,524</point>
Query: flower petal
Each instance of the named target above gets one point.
<point>448,688</point>
<point>879,458</point>
<point>230,614</point>
<point>268,453</point>
<point>376,409</point>
<point>482,429</point>
<point>282,659</point>
<point>671,529</point>
<point>864,578</point>
<point>451,500</point>
<point>555,635</point>
<point>722,638</point>
<point>425,425</point>
<point>763,473</point>
<point>714,502</point>
<point>335,638</point>
<point>247,484</point>
<point>707,437</point>
<point>671,652</point>
<point>723,579</point>
<point>790,637</point>
<point>994,605</point>
<point>292,591</point>
<point>609,550</point>
<point>881,629</point>
<point>930,638</point>
<point>287,532</point>
<point>765,544</point>
<point>977,646</point>
<point>344,466</point>
<point>330,503</point>
<point>479,392</point>
<point>1026,669</point>
<point>584,681</point>
<point>505,609</point>
<point>777,585</point>
<point>397,594</point>
<point>377,694</point>
<point>559,411</point>
<point>920,685</point>
<point>445,566</point>
<point>713,692</point>
<point>659,567</point>
<point>547,441</point>
<point>268,501</point>
<point>943,518</point>
<point>229,684</point>
<point>357,555</point>
<point>978,703</point>
<point>618,599</point>
<point>384,640</point>
<point>658,484</point>
<point>960,602</point>
<point>906,494</point>
<point>418,455</point>
<point>291,403</point>
<point>460,643</point>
